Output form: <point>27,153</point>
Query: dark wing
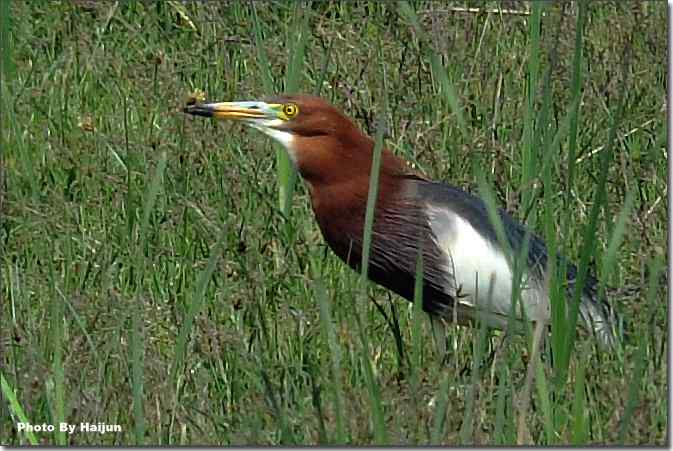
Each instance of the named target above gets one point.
<point>595,312</point>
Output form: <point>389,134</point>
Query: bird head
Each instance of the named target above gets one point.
<point>321,141</point>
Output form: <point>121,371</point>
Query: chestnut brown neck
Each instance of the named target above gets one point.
<point>337,170</point>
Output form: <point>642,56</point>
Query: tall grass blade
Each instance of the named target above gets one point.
<point>335,361</point>
<point>285,173</point>
<point>518,261</point>
<point>528,156</point>
<point>372,384</point>
<point>439,414</point>
<point>324,68</point>
<point>193,309</point>
<point>297,36</point>
<point>150,197</point>
<point>580,419</point>
<point>415,356</point>
<point>7,72</point>
<point>589,236</point>
<point>545,402</point>
<point>137,341</point>
<point>15,408</point>
<point>641,353</point>
<point>438,70</point>
<point>262,59</point>
<point>617,236</point>
<point>576,84</point>
<point>501,405</point>
<point>559,309</point>
<point>137,345</point>
<point>80,323</point>
<point>286,435</point>
<point>478,347</point>
<point>56,383</point>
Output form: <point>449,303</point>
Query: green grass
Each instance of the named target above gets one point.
<point>165,273</point>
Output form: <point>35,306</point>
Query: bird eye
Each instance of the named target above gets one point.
<point>290,110</point>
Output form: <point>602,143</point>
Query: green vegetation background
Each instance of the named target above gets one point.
<point>153,278</point>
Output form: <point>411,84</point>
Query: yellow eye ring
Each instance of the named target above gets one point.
<point>290,110</point>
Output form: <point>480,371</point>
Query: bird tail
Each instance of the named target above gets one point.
<point>601,319</point>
